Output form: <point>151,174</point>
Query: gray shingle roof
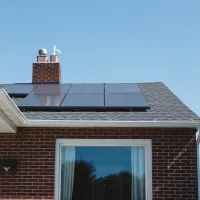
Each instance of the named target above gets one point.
<point>165,106</point>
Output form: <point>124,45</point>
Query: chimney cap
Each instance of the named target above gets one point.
<point>42,52</point>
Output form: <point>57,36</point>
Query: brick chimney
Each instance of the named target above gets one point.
<point>45,71</point>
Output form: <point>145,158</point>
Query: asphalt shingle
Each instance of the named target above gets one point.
<point>165,106</point>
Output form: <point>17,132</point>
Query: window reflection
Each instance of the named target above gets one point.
<point>103,173</point>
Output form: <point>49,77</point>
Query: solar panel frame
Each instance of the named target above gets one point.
<point>52,89</point>
<point>90,88</point>
<point>83,101</point>
<point>19,90</point>
<point>3,85</point>
<point>41,100</point>
<point>121,88</point>
<point>126,100</point>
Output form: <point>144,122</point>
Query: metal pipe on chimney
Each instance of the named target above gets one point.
<point>42,57</point>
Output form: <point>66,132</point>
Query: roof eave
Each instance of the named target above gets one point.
<point>98,123</point>
<point>10,113</point>
<point>6,125</point>
<point>14,118</point>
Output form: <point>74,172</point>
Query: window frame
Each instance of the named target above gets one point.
<point>104,142</point>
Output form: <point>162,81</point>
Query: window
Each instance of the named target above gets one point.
<point>103,170</point>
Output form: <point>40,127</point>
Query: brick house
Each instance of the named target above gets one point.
<point>52,150</point>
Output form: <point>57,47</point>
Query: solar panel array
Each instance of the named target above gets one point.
<point>78,96</point>
<point>19,89</point>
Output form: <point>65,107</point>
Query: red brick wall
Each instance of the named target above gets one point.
<point>174,160</point>
<point>46,72</point>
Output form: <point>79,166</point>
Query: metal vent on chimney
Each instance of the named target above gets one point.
<point>42,57</point>
<point>42,52</point>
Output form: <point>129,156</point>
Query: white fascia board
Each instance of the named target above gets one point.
<point>93,123</point>
<point>10,109</point>
<point>6,126</point>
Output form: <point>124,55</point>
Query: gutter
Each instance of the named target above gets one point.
<point>98,123</point>
<point>198,135</point>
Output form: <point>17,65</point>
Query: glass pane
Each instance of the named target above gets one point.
<point>103,173</point>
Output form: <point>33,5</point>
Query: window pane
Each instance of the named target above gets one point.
<point>103,173</point>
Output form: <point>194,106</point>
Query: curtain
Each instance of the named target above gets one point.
<point>67,172</point>
<point>138,172</point>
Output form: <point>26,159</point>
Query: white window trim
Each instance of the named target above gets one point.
<point>104,142</point>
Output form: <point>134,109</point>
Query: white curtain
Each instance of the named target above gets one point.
<point>67,175</point>
<point>138,172</point>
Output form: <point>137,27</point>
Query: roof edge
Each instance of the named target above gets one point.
<point>93,123</point>
<point>10,109</point>
<point>7,125</point>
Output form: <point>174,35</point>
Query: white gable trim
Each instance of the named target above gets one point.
<point>10,109</point>
<point>6,126</point>
<point>10,116</point>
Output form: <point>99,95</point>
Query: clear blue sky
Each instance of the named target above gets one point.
<point>106,41</point>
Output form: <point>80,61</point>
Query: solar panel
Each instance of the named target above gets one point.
<point>94,88</point>
<point>19,89</point>
<point>130,100</point>
<point>52,89</point>
<point>83,100</point>
<point>80,96</point>
<point>41,100</point>
<point>121,88</point>
<point>3,85</point>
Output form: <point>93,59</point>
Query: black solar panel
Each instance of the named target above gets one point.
<point>94,88</point>
<point>52,89</point>
<point>81,96</point>
<point>2,85</point>
<point>121,88</point>
<point>41,100</point>
<point>129,100</point>
<point>83,100</point>
<point>19,89</point>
